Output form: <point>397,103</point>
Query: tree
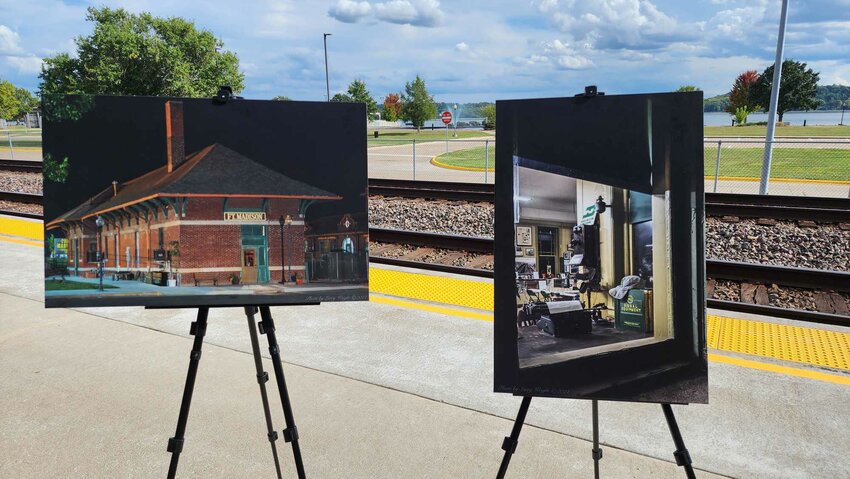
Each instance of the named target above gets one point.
<point>359,94</point>
<point>796,91</point>
<point>739,97</point>
<point>687,88</point>
<point>342,98</point>
<point>489,113</point>
<point>392,107</point>
<point>26,101</point>
<point>139,54</point>
<point>9,105</point>
<point>417,104</point>
<point>282,98</point>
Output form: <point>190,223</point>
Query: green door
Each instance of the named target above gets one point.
<point>255,236</point>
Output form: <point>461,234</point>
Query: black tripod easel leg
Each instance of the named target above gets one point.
<point>175,444</point>
<point>597,451</point>
<point>290,434</point>
<point>683,457</point>
<point>510,443</point>
<point>262,379</point>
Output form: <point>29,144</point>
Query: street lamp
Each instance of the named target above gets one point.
<point>284,221</point>
<point>99,222</point>
<point>454,107</point>
<point>843,107</point>
<point>327,78</point>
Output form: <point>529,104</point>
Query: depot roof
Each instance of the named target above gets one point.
<point>215,171</point>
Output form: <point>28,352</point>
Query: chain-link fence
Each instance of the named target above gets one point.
<point>19,142</point>
<point>454,160</point>
<point>797,168</point>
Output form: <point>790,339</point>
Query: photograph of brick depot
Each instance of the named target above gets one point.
<point>211,226</point>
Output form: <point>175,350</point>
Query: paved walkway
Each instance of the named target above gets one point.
<point>379,391</point>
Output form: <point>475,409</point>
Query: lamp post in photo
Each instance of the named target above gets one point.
<point>99,222</point>
<point>288,222</point>
<point>284,221</point>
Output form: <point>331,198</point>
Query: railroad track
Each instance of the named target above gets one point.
<point>437,190</point>
<point>20,165</point>
<point>716,204</point>
<point>778,207</point>
<point>21,197</point>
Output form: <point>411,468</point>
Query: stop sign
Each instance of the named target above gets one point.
<point>446,116</point>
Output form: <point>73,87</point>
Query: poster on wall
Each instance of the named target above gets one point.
<point>610,304</point>
<point>178,202</point>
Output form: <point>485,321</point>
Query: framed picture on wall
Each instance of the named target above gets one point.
<point>523,236</point>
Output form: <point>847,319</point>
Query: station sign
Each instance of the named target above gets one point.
<point>244,216</point>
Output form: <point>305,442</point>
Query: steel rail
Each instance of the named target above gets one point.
<point>21,197</point>
<point>20,165</point>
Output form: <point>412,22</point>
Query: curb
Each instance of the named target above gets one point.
<point>780,180</point>
<point>440,164</point>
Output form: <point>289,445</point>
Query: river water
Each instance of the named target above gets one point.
<point>795,118</point>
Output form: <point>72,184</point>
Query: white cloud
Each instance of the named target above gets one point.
<point>615,24</point>
<point>10,41</point>
<point>462,47</point>
<point>558,53</point>
<point>350,11</point>
<point>26,65</point>
<point>418,13</point>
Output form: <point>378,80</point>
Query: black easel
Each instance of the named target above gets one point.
<point>509,445</point>
<point>266,326</point>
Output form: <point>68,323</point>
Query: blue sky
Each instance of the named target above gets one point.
<point>470,50</point>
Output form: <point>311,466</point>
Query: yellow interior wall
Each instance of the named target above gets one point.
<point>586,194</point>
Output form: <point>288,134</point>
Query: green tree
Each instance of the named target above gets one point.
<point>359,94</point>
<point>342,98</point>
<point>796,91</point>
<point>489,113</point>
<point>392,107</point>
<point>9,104</point>
<point>417,104</point>
<point>26,101</point>
<point>282,98</point>
<point>739,97</point>
<point>687,88</point>
<point>139,54</point>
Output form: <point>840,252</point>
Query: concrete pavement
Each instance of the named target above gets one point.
<point>378,390</point>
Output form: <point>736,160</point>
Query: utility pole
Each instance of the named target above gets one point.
<point>327,77</point>
<point>774,99</point>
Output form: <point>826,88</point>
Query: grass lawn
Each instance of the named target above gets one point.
<point>794,131</point>
<point>470,158</point>
<point>67,285</point>
<point>391,136</point>
<point>794,163</point>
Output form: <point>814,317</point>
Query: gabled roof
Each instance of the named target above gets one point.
<point>215,171</point>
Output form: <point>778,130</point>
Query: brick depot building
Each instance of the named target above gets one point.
<point>213,214</point>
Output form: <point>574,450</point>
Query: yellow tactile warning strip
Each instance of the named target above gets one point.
<point>22,228</point>
<point>437,289</point>
<point>818,347</point>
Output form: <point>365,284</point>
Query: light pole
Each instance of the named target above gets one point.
<point>284,221</point>
<point>327,77</point>
<point>774,99</point>
<point>288,221</point>
<point>454,107</point>
<point>99,222</point>
<point>843,108</point>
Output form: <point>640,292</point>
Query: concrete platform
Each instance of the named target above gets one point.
<point>378,390</point>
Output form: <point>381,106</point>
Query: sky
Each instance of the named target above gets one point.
<point>469,50</point>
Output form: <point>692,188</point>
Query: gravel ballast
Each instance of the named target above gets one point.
<point>435,216</point>
<point>824,247</point>
<point>21,182</point>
